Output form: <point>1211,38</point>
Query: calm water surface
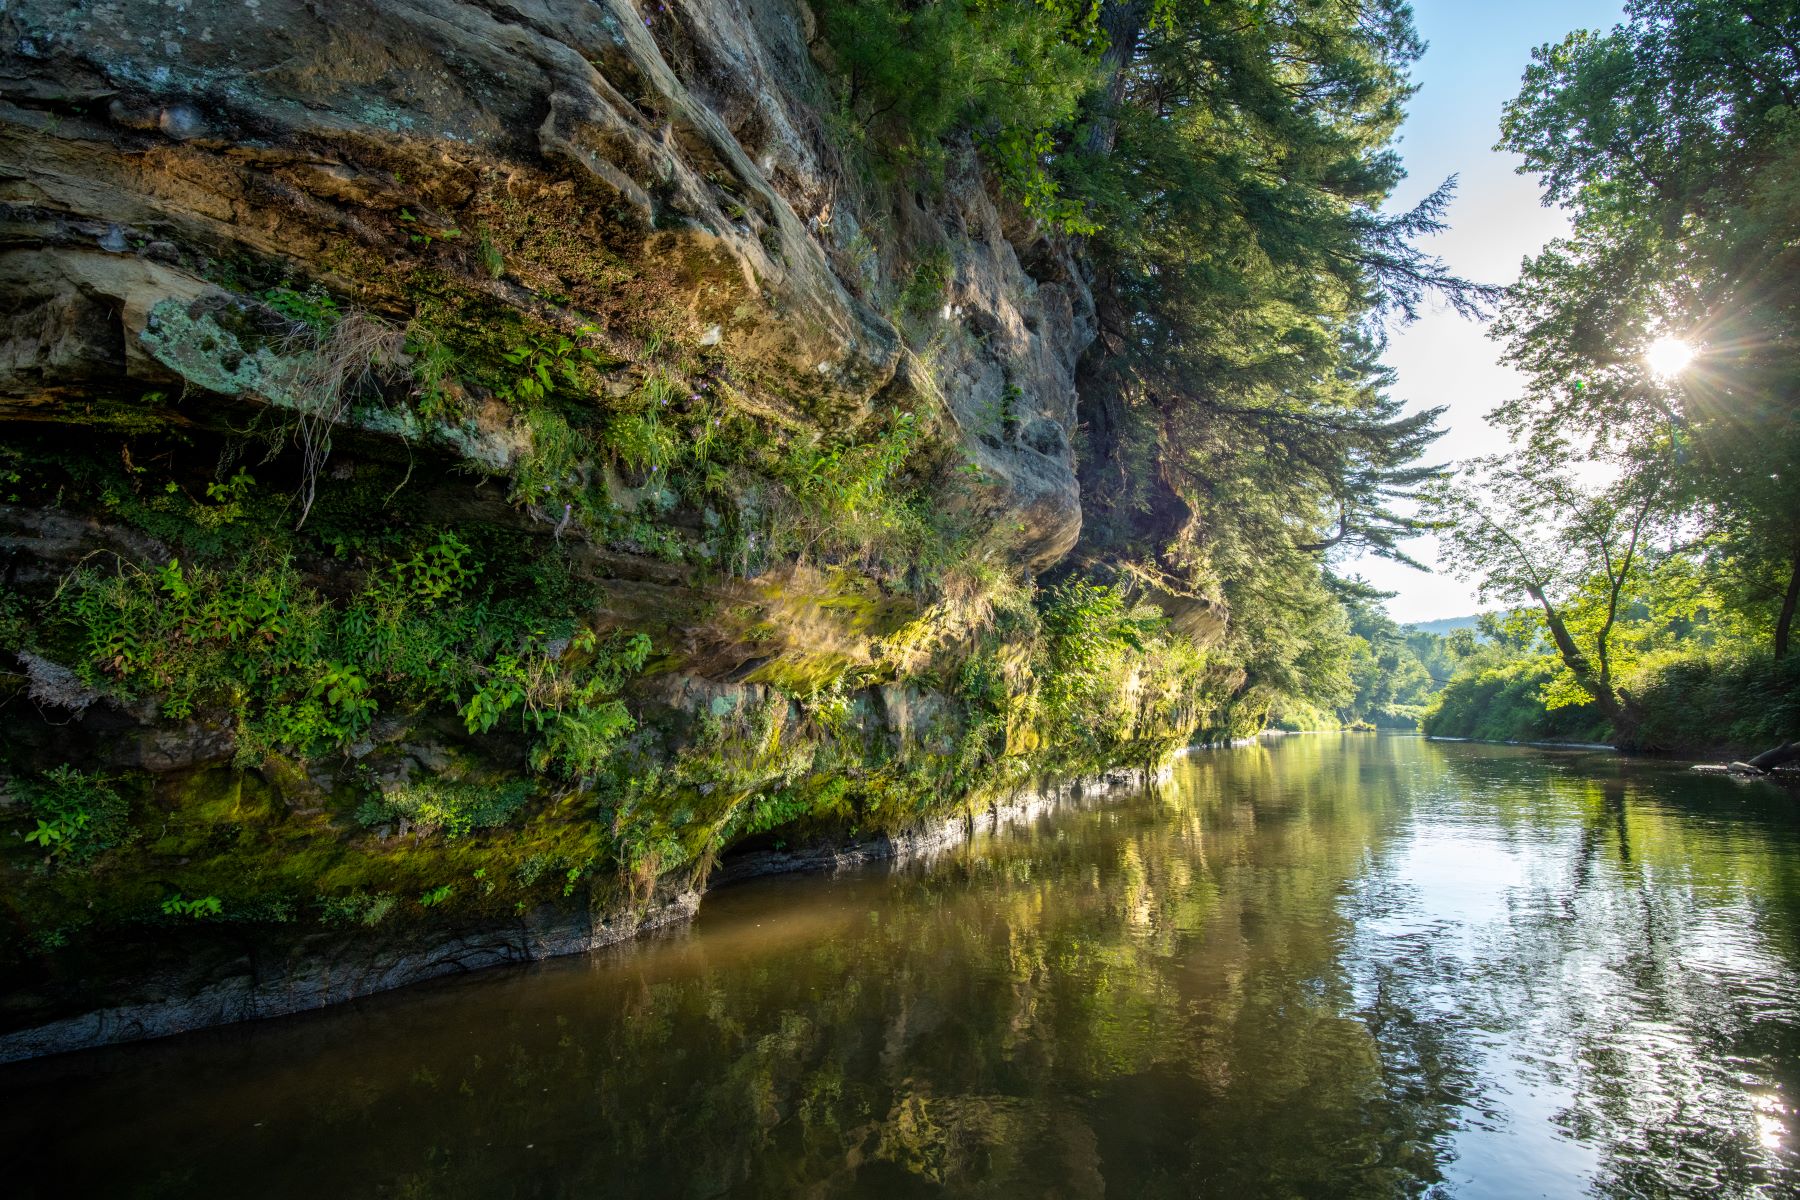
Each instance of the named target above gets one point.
<point>1327,966</point>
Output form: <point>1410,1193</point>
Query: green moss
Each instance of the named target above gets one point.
<point>802,674</point>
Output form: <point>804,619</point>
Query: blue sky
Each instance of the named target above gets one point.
<point>1477,51</point>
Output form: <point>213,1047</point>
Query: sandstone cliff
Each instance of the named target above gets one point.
<point>593,288</point>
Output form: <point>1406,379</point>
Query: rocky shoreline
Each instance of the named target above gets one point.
<point>260,981</point>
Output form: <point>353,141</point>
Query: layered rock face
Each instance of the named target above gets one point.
<point>670,162</point>
<point>360,251</point>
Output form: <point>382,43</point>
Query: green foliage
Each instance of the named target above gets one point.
<point>1391,671</point>
<point>552,470</point>
<point>1534,533</point>
<point>1084,624</point>
<point>541,364</point>
<point>874,502</point>
<point>501,691</point>
<point>1011,73</point>
<point>1673,140</point>
<point>297,672</point>
<point>1683,657</point>
<point>77,815</point>
<point>356,908</point>
<point>433,369</point>
<point>453,808</point>
<point>314,307</point>
<point>568,698</point>
<point>1697,702</point>
<point>842,483</point>
<point>1496,698</point>
<point>197,909</point>
<point>432,897</point>
<point>1023,159</point>
<point>439,571</point>
<point>924,290</point>
<point>1096,643</point>
<point>1243,426</point>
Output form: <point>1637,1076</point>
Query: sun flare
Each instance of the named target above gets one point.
<point>1668,357</point>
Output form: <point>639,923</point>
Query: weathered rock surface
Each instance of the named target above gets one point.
<point>270,979</point>
<point>148,150</point>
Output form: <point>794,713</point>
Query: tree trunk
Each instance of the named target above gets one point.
<point>1784,624</point>
<point>1122,21</point>
<point>1612,705</point>
<point>1780,756</point>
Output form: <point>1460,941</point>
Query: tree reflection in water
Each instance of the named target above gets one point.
<point>1333,966</point>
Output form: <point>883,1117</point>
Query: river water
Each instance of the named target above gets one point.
<point>1333,965</point>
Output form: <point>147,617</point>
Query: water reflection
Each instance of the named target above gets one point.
<point>1327,967</point>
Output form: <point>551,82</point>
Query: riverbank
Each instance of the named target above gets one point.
<point>1724,761</point>
<point>242,977</point>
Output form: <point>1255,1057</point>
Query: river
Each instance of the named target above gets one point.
<point>1331,965</point>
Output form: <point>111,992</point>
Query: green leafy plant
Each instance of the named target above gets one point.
<point>438,572</point>
<point>197,909</point>
<point>356,908</point>
<point>924,290</point>
<point>500,692</point>
<point>346,691</point>
<point>1012,73</point>
<point>455,808</point>
<point>314,307</point>
<point>542,363</point>
<point>77,815</point>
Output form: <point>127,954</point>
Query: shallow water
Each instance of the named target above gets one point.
<point>1325,966</point>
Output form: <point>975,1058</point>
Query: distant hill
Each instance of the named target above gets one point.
<point>1444,625</point>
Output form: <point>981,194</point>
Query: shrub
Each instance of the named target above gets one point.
<point>296,672</point>
<point>199,908</point>
<point>78,815</point>
<point>1687,701</point>
<point>1697,702</point>
<point>357,908</point>
<point>1497,699</point>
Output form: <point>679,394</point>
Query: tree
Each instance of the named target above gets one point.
<point>1675,140</point>
<point>1528,531</point>
<point>1239,427</point>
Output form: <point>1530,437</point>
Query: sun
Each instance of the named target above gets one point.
<point>1668,357</point>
